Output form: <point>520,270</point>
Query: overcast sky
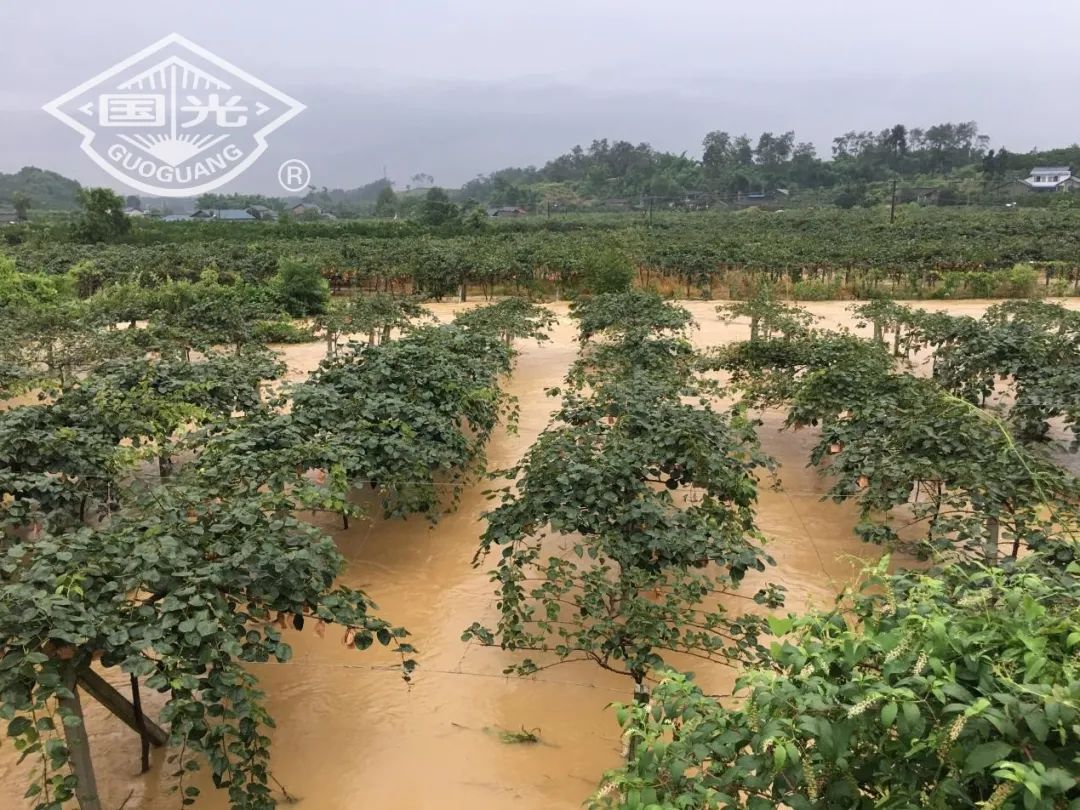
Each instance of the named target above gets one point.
<point>458,89</point>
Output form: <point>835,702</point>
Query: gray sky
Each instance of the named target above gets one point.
<point>458,89</point>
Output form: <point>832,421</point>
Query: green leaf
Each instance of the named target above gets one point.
<point>985,755</point>
<point>888,713</point>
<point>911,715</point>
<point>1036,721</point>
<point>780,626</point>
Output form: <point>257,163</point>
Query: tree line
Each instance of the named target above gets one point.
<point>739,163</point>
<point>954,155</point>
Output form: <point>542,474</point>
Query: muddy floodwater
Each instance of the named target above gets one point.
<point>350,734</point>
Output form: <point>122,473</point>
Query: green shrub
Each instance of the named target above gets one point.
<point>609,271</point>
<point>846,200</point>
<point>1059,287</point>
<point>1019,282</point>
<point>19,290</point>
<point>302,290</point>
<point>816,290</point>
<point>957,688</point>
<point>282,332</point>
<point>981,284</point>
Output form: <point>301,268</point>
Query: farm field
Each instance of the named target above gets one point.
<point>539,407</point>
<point>349,732</point>
<point>810,254</point>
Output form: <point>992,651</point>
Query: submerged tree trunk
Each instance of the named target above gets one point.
<point>1018,532</point>
<point>993,536</point>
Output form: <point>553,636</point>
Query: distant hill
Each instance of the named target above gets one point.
<point>48,191</point>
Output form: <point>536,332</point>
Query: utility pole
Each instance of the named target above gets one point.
<point>650,211</point>
<point>892,209</point>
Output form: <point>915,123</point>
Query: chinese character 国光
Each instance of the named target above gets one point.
<point>221,112</point>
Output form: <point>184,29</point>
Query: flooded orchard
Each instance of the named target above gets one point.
<point>351,733</point>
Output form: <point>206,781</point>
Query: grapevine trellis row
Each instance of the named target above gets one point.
<point>180,579</point>
<point>601,554</point>
<point>153,504</point>
<point>812,254</point>
<point>953,687</point>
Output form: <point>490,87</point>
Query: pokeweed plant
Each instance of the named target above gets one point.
<point>957,687</point>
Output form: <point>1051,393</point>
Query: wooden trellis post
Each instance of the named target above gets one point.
<point>78,743</point>
<point>82,766</point>
<point>100,689</point>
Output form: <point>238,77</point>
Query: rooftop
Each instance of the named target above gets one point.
<point>234,214</point>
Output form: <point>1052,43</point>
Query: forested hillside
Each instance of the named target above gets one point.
<point>43,189</point>
<point>956,156</point>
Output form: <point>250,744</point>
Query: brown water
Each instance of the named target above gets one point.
<point>351,734</point>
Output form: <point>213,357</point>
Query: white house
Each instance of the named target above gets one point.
<point>1052,178</point>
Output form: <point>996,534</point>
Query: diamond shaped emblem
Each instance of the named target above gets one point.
<point>174,120</point>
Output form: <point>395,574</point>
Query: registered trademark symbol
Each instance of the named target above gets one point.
<point>294,175</point>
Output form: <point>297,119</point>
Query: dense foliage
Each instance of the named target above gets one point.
<point>923,464</point>
<point>180,575</point>
<point>952,687</point>
<point>957,688</point>
<point>955,156</point>
<point>148,518</point>
<point>803,254</point>
<point>46,190</point>
<point>634,564</point>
